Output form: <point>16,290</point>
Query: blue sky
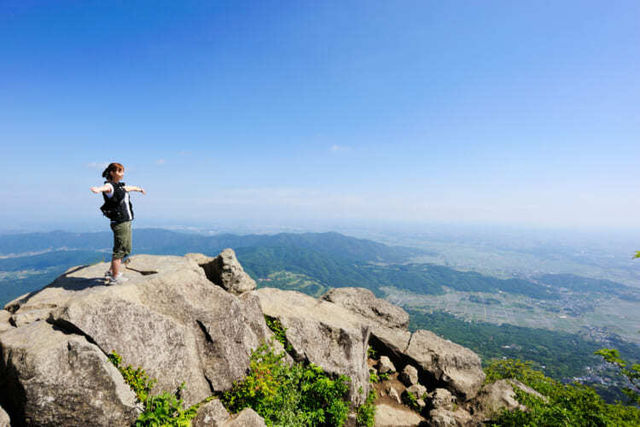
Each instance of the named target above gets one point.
<point>287,112</point>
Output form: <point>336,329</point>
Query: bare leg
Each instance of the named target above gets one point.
<point>115,266</point>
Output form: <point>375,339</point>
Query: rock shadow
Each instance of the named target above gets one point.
<point>64,282</point>
<point>76,283</point>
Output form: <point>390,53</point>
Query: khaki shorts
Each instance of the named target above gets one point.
<point>121,239</point>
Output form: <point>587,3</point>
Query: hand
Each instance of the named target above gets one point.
<point>142,191</point>
<point>95,189</point>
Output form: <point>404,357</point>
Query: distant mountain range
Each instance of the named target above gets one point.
<point>159,241</point>
<point>31,260</point>
<point>330,259</point>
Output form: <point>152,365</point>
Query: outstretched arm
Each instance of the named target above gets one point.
<point>134,188</point>
<point>104,189</point>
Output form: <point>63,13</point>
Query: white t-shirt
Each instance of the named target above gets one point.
<point>109,193</point>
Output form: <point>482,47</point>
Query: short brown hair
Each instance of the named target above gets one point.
<point>113,167</point>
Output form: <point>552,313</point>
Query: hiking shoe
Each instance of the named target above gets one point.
<point>108,275</point>
<point>118,280</point>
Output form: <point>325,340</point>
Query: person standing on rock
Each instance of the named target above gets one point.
<point>117,207</point>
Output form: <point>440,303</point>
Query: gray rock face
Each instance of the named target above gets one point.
<point>322,333</point>
<point>4,419</point>
<point>449,364</point>
<point>225,271</point>
<point>214,414</point>
<point>167,318</point>
<point>445,418</point>
<point>394,342</point>
<point>393,393</point>
<point>211,414</point>
<point>57,379</point>
<point>409,375</point>
<point>389,416</point>
<point>4,321</point>
<point>246,418</point>
<point>365,303</point>
<point>442,398</point>
<point>418,390</point>
<point>385,365</point>
<point>495,397</point>
<point>456,366</point>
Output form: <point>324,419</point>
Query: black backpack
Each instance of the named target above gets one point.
<point>113,207</point>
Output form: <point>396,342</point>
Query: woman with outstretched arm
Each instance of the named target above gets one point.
<point>117,207</point>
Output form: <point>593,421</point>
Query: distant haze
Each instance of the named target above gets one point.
<point>365,112</point>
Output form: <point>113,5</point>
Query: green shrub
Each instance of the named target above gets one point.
<point>631,375</point>
<point>165,409</point>
<point>375,377</point>
<point>366,412</point>
<point>372,353</point>
<point>279,331</point>
<point>564,405</point>
<point>411,400</point>
<point>295,395</point>
<point>137,378</point>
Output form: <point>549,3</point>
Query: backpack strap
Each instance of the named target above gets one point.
<point>118,192</point>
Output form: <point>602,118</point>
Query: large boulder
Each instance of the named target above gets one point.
<point>385,366</point>
<point>457,367</point>
<point>214,414</point>
<point>442,399</point>
<point>449,418</point>
<point>168,318</point>
<point>314,326</point>
<point>53,378</point>
<point>322,333</point>
<point>388,323</point>
<point>396,416</point>
<point>211,414</point>
<point>409,376</point>
<point>5,324</point>
<point>500,395</point>
<point>5,421</point>
<point>393,394</point>
<point>225,271</point>
<point>440,362</point>
<point>246,418</point>
<point>365,303</point>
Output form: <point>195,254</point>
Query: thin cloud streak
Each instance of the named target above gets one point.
<point>97,165</point>
<point>339,148</point>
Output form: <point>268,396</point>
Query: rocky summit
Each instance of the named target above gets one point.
<point>196,319</point>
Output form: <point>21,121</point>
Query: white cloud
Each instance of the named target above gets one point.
<point>339,148</point>
<point>97,165</point>
<point>160,162</point>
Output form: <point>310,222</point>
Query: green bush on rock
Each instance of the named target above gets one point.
<point>165,409</point>
<point>279,332</point>
<point>283,394</point>
<point>367,412</point>
<point>291,395</point>
<point>564,404</point>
